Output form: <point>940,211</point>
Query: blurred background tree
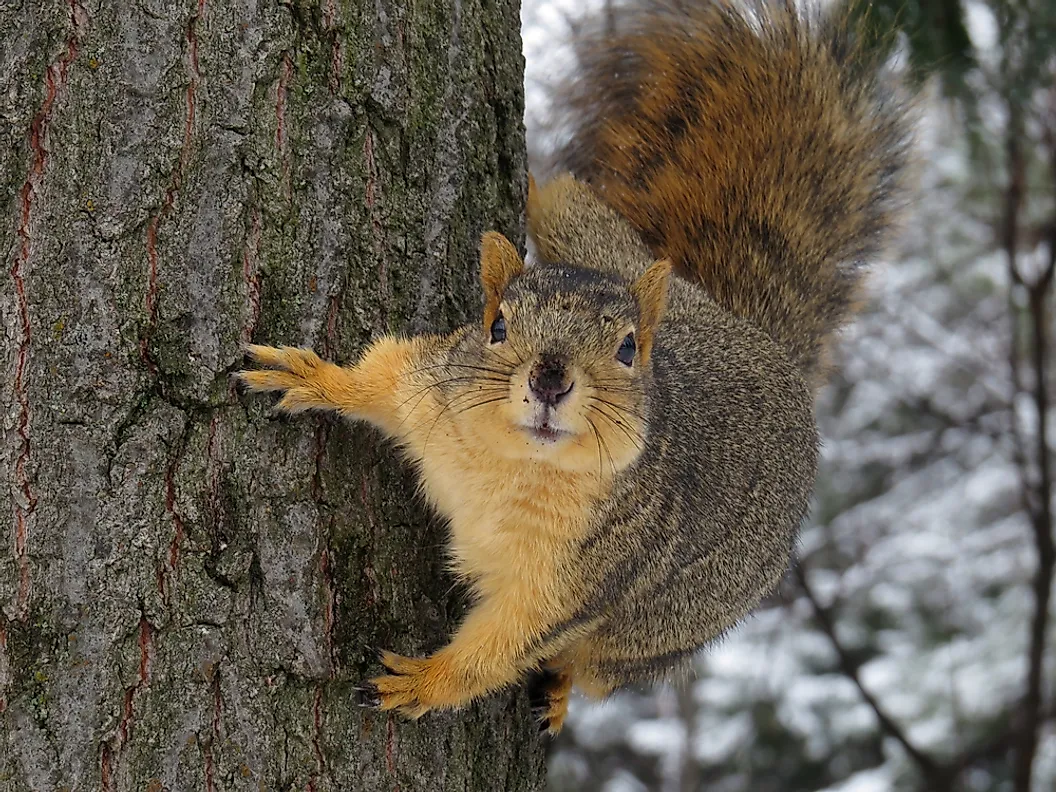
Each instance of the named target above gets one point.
<point>912,648</point>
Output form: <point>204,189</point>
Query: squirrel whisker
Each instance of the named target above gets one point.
<point>602,445</point>
<point>463,397</point>
<point>446,365</point>
<point>423,393</point>
<point>620,408</point>
<point>480,404</point>
<point>636,439</point>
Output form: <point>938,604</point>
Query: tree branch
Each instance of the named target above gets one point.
<point>936,775</point>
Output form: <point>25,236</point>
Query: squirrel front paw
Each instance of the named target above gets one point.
<point>415,686</point>
<point>297,373</point>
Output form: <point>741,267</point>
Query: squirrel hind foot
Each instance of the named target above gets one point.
<point>548,692</point>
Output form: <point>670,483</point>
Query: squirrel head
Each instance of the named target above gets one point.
<point>564,356</point>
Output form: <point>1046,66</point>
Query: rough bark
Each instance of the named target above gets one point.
<point>190,586</point>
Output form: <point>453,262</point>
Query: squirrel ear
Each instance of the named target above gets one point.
<point>499,262</point>
<point>650,290</point>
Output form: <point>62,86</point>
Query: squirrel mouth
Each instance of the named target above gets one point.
<point>546,433</point>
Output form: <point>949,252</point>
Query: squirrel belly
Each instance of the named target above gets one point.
<point>624,446</point>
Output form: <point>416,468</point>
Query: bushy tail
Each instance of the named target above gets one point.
<point>754,146</point>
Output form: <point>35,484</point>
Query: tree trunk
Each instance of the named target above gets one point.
<point>190,586</point>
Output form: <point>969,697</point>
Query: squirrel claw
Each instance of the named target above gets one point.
<point>412,685</point>
<point>369,697</point>
<point>548,691</point>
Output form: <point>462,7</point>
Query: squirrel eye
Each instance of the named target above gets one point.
<point>498,330</point>
<point>625,354</point>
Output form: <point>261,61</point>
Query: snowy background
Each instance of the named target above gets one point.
<point>912,602</point>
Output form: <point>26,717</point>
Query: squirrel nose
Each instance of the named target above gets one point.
<point>547,381</point>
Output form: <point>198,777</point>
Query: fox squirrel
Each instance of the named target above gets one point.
<point>624,457</point>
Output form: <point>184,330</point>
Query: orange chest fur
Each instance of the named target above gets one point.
<point>507,516</point>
